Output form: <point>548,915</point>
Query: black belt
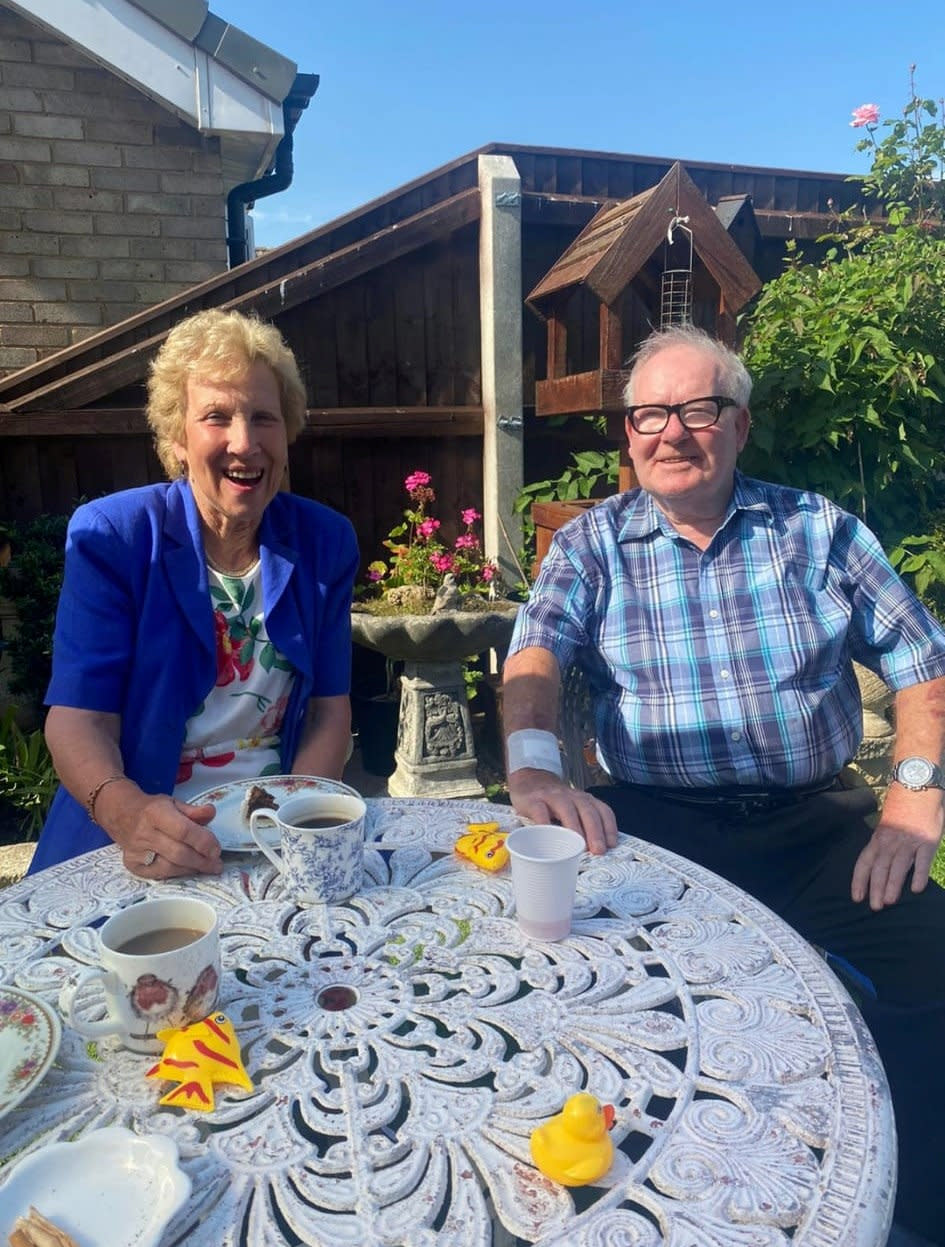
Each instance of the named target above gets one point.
<point>734,801</point>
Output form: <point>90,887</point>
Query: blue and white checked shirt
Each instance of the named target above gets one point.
<point>732,665</point>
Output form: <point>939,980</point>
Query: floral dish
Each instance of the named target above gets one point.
<point>232,829</point>
<point>111,1188</point>
<point>29,1040</point>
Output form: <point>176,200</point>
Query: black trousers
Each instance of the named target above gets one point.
<point>799,861</point>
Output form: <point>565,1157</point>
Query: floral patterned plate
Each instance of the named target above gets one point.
<point>232,829</point>
<point>112,1187</point>
<point>29,1040</point>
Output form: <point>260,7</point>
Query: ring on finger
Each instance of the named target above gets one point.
<point>149,858</point>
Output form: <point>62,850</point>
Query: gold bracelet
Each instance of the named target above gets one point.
<point>93,795</point>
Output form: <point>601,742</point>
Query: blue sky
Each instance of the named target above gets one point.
<point>407,85</point>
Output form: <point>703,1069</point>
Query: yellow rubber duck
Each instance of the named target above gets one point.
<point>574,1147</point>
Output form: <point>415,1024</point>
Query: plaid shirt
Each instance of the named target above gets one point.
<point>732,665</point>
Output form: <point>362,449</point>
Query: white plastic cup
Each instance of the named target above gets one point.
<point>544,860</point>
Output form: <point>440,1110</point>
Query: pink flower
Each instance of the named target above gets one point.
<point>374,576</point>
<point>442,562</point>
<point>427,528</point>
<point>416,480</point>
<point>466,542</point>
<point>271,721</point>
<point>865,115</point>
<point>488,572</point>
<point>470,515</point>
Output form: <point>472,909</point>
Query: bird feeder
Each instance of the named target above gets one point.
<point>662,257</point>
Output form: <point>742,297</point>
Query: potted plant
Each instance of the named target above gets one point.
<point>433,607</point>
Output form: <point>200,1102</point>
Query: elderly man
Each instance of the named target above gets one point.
<point>717,618</point>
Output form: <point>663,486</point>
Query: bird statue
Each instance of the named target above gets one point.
<point>574,1147</point>
<point>198,1056</point>
<point>448,596</point>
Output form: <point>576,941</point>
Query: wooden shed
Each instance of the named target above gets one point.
<point>408,318</point>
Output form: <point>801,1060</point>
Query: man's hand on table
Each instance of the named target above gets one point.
<point>544,798</point>
<point>176,833</point>
<point>906,838</point>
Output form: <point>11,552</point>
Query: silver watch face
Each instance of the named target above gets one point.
<point>916,772</point>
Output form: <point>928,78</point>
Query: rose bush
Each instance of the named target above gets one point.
<point>848,351</point>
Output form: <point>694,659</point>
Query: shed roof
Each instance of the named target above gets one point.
<point>559,186</point>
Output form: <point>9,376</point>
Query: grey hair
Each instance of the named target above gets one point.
<point>734,377</point>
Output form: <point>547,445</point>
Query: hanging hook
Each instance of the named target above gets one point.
<point>677,220</point>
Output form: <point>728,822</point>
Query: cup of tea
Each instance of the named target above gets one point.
<point>159,967</point>
<point>321,844</point>
<point>544,862</point>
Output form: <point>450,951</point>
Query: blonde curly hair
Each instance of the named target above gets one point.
<point>215,345</point>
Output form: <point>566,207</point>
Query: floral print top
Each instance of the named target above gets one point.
<point>234,733</point>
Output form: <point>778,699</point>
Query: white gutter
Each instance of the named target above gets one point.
<point>133,45</point>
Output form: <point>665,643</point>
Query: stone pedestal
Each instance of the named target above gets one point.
<point>435,752</point>
<point>874,759</point>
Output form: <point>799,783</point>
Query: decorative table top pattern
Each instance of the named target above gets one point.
<point>404,1044</point>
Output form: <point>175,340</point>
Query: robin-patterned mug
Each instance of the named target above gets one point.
<point>159,967</point>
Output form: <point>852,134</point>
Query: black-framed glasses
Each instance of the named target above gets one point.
<point>694,413</point>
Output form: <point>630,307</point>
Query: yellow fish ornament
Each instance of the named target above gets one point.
<point>574,1147</point>
<point>484,845</point>
<point>198,1056</point>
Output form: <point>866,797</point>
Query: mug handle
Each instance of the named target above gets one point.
<point>257,817</point>
<point>91,1030</point>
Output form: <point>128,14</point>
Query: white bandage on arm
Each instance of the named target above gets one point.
<point>531,748</point>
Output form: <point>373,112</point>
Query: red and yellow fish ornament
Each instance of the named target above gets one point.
<point>484,845</point>
<point>198,1056</point>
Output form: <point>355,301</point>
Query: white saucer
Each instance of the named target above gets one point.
<point>228,825</point>
<point>29,1040</point>
<point>111,1188</point>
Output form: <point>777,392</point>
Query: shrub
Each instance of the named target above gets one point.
<point>28,781</point>
<point>849,354</point>
<point>31,580</point>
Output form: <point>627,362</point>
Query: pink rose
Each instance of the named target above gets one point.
<point>865,115</point>
<point>470,515</point>
<point>427,528</point>
<point>416,480</point>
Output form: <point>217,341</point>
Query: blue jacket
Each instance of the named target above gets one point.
<point>134,629</point>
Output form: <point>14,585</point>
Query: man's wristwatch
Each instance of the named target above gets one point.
<point>917,774</point>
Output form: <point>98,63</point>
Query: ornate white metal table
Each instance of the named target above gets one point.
<point>752,1110</point>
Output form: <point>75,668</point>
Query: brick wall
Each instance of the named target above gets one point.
<point>108,203</point>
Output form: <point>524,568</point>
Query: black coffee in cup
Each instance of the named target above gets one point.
<point>321,821</point>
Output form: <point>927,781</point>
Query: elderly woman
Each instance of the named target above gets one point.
<point>203,631</point>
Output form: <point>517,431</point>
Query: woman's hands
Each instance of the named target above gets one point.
<point>159,837</point>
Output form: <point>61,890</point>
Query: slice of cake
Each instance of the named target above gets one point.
<point>257,798</point>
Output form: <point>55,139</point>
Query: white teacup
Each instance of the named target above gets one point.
<point>322,841</point>
<point>160,968</point>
